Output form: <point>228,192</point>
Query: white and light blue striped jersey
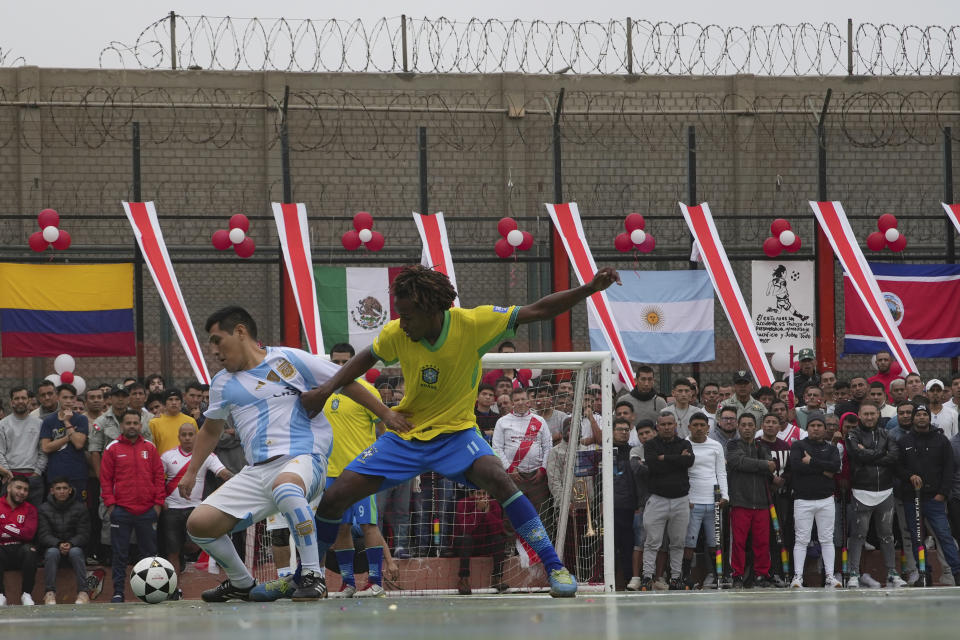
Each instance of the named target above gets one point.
<point>265,405</point>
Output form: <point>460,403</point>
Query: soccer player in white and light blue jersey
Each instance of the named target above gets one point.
<point>287,451</point>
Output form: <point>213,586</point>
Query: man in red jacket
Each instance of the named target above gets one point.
<point>131,484</point>
<point>18,525</point>
<point>478,531</point>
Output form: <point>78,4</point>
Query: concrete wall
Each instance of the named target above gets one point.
<point>211,149</point>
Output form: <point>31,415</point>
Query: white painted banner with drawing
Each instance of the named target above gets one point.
<point>783,304</point>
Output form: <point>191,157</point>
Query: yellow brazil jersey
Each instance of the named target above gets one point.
<point>441,379</point>
<point>354,428</point>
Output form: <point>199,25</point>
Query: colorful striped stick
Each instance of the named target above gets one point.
<point>717,532</point>
<point>921,551</point>
<point>784,556</point>
<point>844,566</point>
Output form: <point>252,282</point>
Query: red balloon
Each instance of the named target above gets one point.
<point>505,226</point>
<point>648,244</point>
<point>48,218</point>
<point>36,242</point>
<point>772,247</point>
<point>887,221</point>
<point>350,240</point>
<point>245,249</point>
<point>503,248</point>
<point>372,375</point>
<point>362,220</point>
<point>623,242</point>
<point>63,241</point>
<point>240,221</point>
<point>633,222</point>
<point>527,241</point>
<point>220,239</point>
<point>793,248</point>
<point>876,241</point>
<point>375,243</point>
<point>778,226</point>
<point>66,377</point>
<point>899,244</point>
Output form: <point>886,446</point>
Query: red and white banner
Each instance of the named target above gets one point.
<point>953,212</point>
<point>833,221</point>
<point>146,229</point>
<point>714,258</point>
<point>295,244</point>
<point>566,218</point>
<point>436,248</point>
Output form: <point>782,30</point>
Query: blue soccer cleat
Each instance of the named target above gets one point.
<point>274,590</point>
<point>562,584</point>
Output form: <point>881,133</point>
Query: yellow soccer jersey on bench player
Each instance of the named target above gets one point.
<point>354,428</point>
<point>441,379</point>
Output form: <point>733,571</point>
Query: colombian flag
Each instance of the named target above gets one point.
<point>83,310</point>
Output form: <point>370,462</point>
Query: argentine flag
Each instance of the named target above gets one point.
<point>664,316</point>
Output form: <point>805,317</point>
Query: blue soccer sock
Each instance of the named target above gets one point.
<point>222,550</point>
<point>292,503</point>
<point>527,524</point>
<point>345,560</point>
<point>375,560</point>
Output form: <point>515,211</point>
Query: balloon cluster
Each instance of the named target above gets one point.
<point>362,233</point>
<point>50,232</point>
<point>635,238</point>
<point>64,364</point>
<point>888,235</point>
<point>782,238</point>
<point>236,236</point>
<point>511,238</point>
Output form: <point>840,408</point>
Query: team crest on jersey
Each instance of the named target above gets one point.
<point>366,453</point>
<point>368,313</point>
<point>21,518</point>
<point>429,375</point>
<point>335,404</point>
<point>273,377</point>
<point>285,369</point>
<point>143,454</point>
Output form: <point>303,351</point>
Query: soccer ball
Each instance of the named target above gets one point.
<point>153,580</point>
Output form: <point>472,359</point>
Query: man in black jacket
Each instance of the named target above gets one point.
<point>750,468</point>
<point>873,458</point>
<point>667,459</point>
<point>813,463</point>
<point>926,463</point>
<point>624,499</point>
<point>63,531</point>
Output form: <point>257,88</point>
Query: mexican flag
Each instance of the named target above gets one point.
<point>354,303</point>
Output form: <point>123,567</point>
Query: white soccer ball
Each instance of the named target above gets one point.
<point>153,580</point>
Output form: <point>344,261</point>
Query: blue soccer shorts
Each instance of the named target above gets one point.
<point>364,511</point>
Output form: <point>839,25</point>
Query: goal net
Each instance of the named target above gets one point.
<point>436,530</point>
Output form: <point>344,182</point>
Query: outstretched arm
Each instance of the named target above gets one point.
<point>314,399</point>
<point>554,304</point>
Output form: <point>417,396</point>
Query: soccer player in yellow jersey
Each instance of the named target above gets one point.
<point>439,348</point>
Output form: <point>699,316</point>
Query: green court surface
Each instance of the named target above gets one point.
<point>907,614</point>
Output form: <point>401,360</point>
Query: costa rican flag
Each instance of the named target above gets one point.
<point>929,330</point>
<point>833,221</point>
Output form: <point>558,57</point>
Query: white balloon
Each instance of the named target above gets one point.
<point>780,361</point>
<point>79,384</point>
<point>51,233</point>
<point>365,235</point>
<point>54,378</point>
<point>237,236</point>
<point>515,238</point>
<point>637,236</point>
<point>63,363</point>
<point>891,234</point>
<point>787,238</point>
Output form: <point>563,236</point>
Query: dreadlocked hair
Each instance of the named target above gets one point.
<point>430,290</point>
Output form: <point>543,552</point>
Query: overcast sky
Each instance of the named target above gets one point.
<point>72,34</point>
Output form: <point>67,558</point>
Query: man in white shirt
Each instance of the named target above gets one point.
<point>941,416</point>
<point>709,469</point>
<point>176,508</point>
<point>955,393</point>
<point>522,441</point>
<point>681,406</point>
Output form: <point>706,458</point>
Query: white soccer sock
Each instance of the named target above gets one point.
<point>292,503</point>
<point>222,550</point>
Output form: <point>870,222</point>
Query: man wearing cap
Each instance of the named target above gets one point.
<point>941,417</point>
<point>806,371</point>
<point>873,456</point>
<point>741,400</point>
<point>926,464</point>
<point>165,428</point>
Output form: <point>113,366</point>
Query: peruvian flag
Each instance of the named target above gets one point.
<point>291,222</point>
<point>436,248</point>
<point>953,212</point>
